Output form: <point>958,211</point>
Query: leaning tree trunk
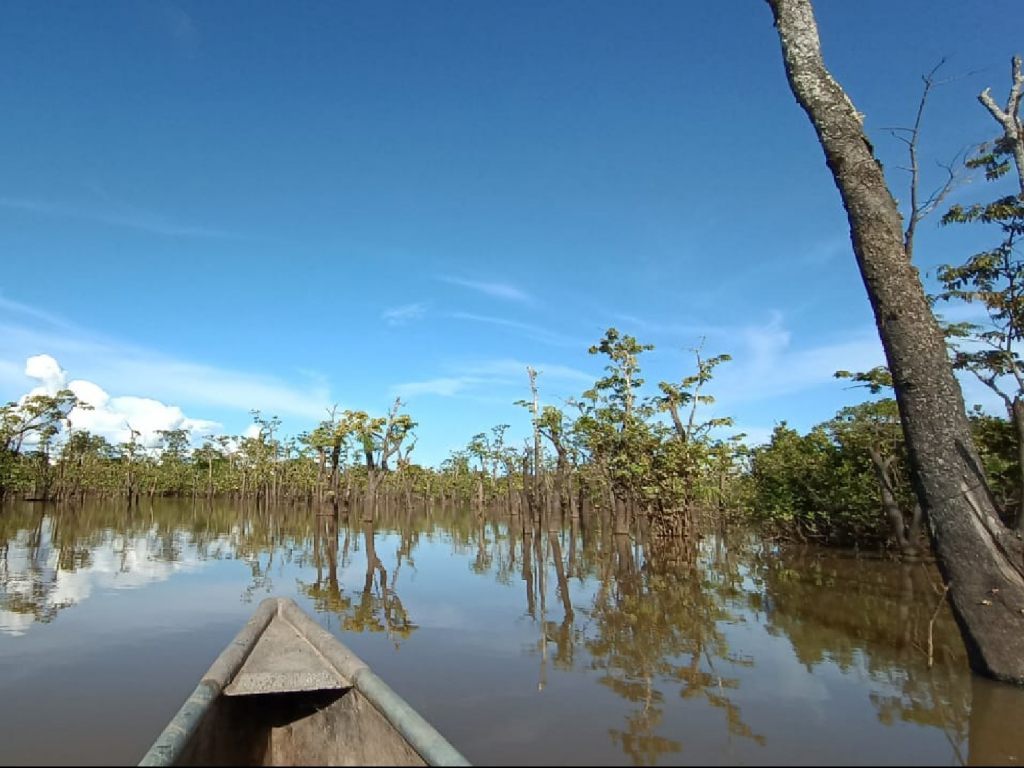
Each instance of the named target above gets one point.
<point>979,557</point>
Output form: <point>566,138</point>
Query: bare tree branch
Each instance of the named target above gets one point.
<point>910,136</point>
<point>1013,133</point>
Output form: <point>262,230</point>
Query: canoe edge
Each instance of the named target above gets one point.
<point>421,735</point>
<point>179,730</point>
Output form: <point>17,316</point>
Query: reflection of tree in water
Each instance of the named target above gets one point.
<point>39,544</point>
<point>650,630</point>
<point>879,616</point>
<point>261,578</point>
<point>262,582</point>
<point>378,607</point>
<point>533,556</point>
<point>27,590</point>
<point>563,633</point>
<point>642,621</point>
<point>484,555</point>
<point>645,620</point>
<point>325,592</point>
<point>997,710</point>
<point>278,535</point>
<point>503,559</point>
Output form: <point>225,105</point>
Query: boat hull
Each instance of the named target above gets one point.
<point>287,692</point>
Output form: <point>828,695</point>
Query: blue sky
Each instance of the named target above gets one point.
<point>211,207</point>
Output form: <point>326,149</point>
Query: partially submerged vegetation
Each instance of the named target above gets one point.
<point>881,473</point>
<point>632,454</point>
<point>981,558</point>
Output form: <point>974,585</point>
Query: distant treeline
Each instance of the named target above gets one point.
<point>632,456</point>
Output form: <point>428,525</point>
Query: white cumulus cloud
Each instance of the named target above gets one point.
<point>25,330</point>
<point>111,417</point>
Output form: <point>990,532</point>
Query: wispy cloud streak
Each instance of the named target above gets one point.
<point>23,310</point>
<point>113,214</point>
<point>508,368</point>
<point>178,23</point>
<point>497,290</point>
<point>471,379</point>
<point>444,386</point>
<point>530,330</point>
<point>407,313</point>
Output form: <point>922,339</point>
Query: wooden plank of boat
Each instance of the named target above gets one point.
<point>288,692</point>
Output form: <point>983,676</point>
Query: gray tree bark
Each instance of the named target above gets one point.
<point>1009,120</point>
<point>980,558</point>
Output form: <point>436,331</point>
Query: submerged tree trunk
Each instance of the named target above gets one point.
<point>906,535</point>
<point>979,557</point>
<point>537,454</point>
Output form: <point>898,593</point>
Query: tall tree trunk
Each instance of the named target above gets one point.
<point>537,456</point>
<point>979,557</point>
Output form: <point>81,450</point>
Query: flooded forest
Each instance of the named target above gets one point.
<point>623,587</point>
<point>621,577</point>
<point>524,639</point>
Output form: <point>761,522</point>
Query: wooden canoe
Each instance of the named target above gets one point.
<point>288,692</point>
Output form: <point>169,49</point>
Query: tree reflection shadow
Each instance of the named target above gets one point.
<point>649,620</point>
<point>651,630</point>
<point>325,592</point>
<point>657,624</point>
<point>377,606</point>
<point>883,617</point>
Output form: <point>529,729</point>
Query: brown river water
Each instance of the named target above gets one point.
<point>521,646</point>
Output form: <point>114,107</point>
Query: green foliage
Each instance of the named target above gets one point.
<point>996,439</point>
<point>657,451</point>
<point>852,461</point>
<point>668,469</point>
<point>812,487</point>
<point>993,278</point>
<point>35,420</point>
<point>37,417</point>
<point>618,389</point>
<point>876,380</point>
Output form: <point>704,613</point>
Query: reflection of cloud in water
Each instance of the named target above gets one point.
<point>780,675</point>
<point>34,585</point>
<point>443,616</point>
<point>15,623</point>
